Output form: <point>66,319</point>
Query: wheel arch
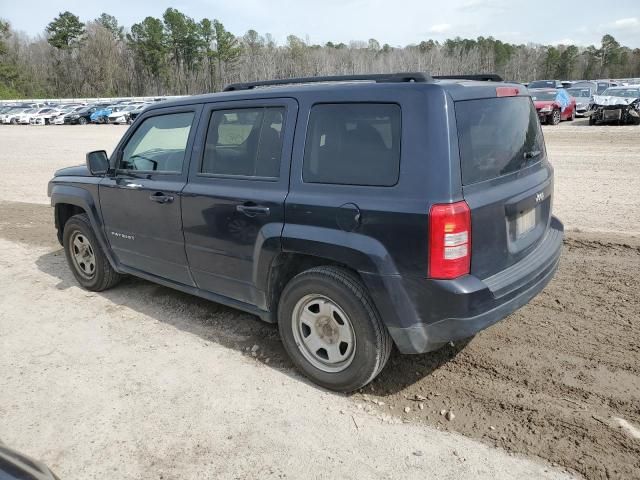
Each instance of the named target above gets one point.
<point>69,200</point>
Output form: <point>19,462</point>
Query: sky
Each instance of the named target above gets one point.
<point>396,22</point>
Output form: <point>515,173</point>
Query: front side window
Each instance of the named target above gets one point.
<point>353,144</point>
<point>159,144</point>
<point>244,142</point>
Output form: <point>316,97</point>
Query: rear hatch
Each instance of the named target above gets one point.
<point>507,180</point>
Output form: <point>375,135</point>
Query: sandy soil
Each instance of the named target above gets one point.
<point>142,382</point>
<point>163,383</point>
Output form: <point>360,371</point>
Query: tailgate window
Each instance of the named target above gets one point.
<point>497,136</point>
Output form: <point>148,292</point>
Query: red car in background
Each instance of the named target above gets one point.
<point>553,105</point>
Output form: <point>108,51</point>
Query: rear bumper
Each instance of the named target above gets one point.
<point>423,314</point>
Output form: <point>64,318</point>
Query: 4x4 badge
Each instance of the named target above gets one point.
<point>539,197</point>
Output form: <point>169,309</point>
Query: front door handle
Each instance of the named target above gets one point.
<point>252,210</point>
<point>132,185</point>
<point>160,197</point>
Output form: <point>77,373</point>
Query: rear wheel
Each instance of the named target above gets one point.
<point>86,259</point>
<point>555,117</point>
<point>331,330</point>
<point>82,121</point>
<point>573,115</point>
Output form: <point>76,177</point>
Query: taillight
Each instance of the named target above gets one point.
<point>449,240</point>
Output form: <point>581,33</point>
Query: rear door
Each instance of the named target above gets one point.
<point>233,205</point>
<point>141,203</point>
<point>507,180</point>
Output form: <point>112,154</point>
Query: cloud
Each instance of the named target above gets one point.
<point>440,28</point>
<point>481,5</point>
<point>624,24</point>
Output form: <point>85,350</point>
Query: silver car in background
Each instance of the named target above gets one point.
<point>583,96</point>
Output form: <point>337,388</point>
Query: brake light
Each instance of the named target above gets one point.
<point>449,240</point>
<point>507,92</point>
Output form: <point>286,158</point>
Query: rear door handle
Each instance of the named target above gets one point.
<point>252,210</point>
<point>160,197</point>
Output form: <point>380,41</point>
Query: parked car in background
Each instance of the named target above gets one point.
<point>25,117</point>
<point>60,119</point>
<point>619,105</point>
<point>102,114</point>
<point>80,117</point>
<point>12,115</point>
<point>553,105</point>
<point>545,84</point>
<point>44,117</point>
<point>121,115</point>
<point>133,114</point>
<point>583,97</point>
<point>602,85</point>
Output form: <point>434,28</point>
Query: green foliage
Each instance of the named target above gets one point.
<point>148,42</point>
<point>111,23</point>
<point>65,31</point>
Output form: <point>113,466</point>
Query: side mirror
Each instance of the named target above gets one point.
<point>98,162</point>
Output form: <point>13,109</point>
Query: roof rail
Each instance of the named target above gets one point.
<point>377,77</point>
<point>482,77</point>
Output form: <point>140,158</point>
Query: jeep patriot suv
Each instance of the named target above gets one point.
<point>357,212</point>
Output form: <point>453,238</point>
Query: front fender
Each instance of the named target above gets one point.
<point>82,198</point>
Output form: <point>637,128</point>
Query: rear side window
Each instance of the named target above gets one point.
<point>244,142</point>
<point>497,136</point>
<point>353,144</point>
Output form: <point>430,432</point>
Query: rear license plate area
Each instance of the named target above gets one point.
<point>525,222</point>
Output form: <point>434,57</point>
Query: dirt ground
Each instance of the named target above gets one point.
<point>558,380</point>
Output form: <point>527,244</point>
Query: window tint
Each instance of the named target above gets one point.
<point>497,136</point>
<point>353,144</point>
<point>159,144</point>
<point>244,142</point>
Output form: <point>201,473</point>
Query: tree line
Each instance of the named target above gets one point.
<point>176,55</point>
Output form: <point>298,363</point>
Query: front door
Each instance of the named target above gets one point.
<point>141,203</point>
<point>233,205</point>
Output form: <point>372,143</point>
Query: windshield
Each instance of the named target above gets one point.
<point>623,92</point>
<point>31,110</point>
<point>579,92</point>
<point>497,136</point>
<point>544,96</point>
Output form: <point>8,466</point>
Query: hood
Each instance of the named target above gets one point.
<point>77,171</point>
<point>545,103</point>
<point>606,100</point>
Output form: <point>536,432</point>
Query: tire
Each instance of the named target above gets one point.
<point>344,319</point>
<point>14,121</point>
<point>554,118</point>
<point>90,266</point>
<point>82,121</point>
<point>573,116</point>
<point>592,120</point>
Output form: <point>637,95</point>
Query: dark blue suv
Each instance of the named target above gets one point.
<point>357,212</point>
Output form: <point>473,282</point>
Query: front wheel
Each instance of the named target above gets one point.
<point>555,117</point>
<point>86,259</point>
<point>592,120</point>
<point>82,121</point>
<point>331,329</point>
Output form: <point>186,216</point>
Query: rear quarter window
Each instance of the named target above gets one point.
<point>353,144</point>
<point>497,136</point>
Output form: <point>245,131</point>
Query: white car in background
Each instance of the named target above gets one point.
<point>44,116</point>
<point>27,115</point>
<point>122,115</point>
<point>12,115</point>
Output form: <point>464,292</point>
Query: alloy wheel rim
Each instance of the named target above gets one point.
<point>83,255</point>
<point>323,333</point>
